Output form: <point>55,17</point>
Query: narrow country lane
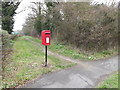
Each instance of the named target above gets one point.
<point>84,75</point>
<point>87,75</point>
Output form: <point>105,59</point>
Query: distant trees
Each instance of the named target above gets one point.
<point>8,11</point>
<point>28,27</point>
<point>41,20</point>
<point>89,27</point>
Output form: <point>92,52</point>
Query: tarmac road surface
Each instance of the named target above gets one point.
<point>83,75</point>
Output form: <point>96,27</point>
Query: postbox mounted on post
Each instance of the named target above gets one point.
<point>45,37</point>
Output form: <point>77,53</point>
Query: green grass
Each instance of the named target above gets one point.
<point>34,39</point>
<point>110,82</point>
<point>66,50</point>
<point>26,63</point>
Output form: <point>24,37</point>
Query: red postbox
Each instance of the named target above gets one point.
<point>45,37</point>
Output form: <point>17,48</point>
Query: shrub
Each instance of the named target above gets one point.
<point>91,28</point>
<point>6,44</point>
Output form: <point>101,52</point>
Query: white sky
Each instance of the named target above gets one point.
<point>20,18</point>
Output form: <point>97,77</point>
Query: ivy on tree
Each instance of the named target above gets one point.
<point>8,12</point>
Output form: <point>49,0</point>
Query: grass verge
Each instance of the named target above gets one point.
<point>66,50</point>
<point>26,63</point>
<point>110,82</point>
<point>76,54</point>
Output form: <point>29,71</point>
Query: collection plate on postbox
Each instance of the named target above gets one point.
<point>45,37</point>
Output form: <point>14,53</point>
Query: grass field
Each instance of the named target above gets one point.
<point>110,82</point>
<point>26,63</point>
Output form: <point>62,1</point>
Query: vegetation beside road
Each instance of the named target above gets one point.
<point>26,63</point>
<point>67,50</point>
<point>110,82</point>
<point>27,60</point>
<point>75,53</point>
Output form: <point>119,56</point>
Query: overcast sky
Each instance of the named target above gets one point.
<point>20,18</point>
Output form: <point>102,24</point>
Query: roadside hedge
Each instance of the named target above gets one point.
<point>6,44</point>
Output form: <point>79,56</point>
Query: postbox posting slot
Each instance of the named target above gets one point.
<point>47,33</point>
